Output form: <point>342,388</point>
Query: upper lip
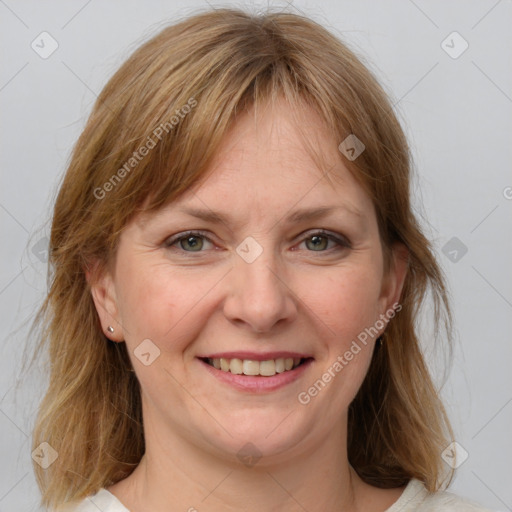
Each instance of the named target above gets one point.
<point>255,356</point>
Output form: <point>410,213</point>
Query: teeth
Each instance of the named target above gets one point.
<point>236,366</point>
<point>249,367</point>
<point>267,368</point>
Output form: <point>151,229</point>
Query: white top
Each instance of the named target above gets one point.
<point>415,498</point>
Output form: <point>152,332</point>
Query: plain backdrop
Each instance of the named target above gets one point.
<point>453,93</point>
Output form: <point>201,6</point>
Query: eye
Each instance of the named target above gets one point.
<point>191,241</point>
<point>321,241</point>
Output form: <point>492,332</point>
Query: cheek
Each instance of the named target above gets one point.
<point>345,300</point>
<point>157,301</point>
<point>146,299</point>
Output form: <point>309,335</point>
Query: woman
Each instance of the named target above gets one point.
<point>236,277</point>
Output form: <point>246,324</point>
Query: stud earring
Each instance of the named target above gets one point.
<point>110,329</point>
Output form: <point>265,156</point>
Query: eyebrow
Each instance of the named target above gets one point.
<point>301,215</point>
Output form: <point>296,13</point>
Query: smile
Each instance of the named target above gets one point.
<point>250,367</point>
<point>256,372</point>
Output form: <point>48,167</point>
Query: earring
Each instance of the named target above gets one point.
<point>379,341</point>
<point>110,329</point>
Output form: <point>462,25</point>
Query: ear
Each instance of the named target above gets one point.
<point>103,294</point>
<point>394,279</point>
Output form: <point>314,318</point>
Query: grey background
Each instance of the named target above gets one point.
<point>457,112</point>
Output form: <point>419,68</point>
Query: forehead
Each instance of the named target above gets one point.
<point>272,160</point>
<point>280,151</point>
<point>278,134</point>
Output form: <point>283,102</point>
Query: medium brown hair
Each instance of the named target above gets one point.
<point>221,63</point>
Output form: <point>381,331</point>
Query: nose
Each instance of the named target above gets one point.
<point>259,296</point>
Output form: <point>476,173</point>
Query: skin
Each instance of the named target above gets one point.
<point>291,297</point>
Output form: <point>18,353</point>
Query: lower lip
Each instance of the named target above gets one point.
<point>258,383</point>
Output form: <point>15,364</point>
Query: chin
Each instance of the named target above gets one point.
<point>259,435</point>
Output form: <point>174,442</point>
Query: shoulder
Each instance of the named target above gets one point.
<point>103,500</point>
<point>449,502</point>
<point>416,498</point>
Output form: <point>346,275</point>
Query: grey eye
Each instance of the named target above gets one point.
<point>191,243</point>
<point>317,242</point>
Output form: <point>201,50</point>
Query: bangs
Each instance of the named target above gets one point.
<point>174,111</point>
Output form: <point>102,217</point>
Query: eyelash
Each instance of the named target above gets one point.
<point>342,242</point>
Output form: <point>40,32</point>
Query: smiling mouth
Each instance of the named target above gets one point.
<point>249,367</point>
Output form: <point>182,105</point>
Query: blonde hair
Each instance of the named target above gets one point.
<point>221,63</point>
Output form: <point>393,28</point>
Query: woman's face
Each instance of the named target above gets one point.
<point>264,266</point>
